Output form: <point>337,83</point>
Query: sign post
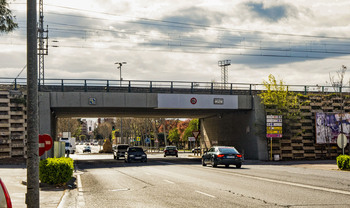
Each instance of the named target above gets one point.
<point>273,128</point>
<point>195,134</point>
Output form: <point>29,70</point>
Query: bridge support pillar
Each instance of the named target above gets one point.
<point>47,120</point>
<point>238,129</point>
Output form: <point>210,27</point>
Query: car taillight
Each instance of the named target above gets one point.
<point>165,150</point>
<point>175,150</point>
<point>221,155</point>
<point>239,155</point>
<point>7,196</point>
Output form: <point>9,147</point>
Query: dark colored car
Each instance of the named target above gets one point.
<point>119,151</point>
<point>222,155</point>
<point>5,200</point>
<point>135,154</point>
<point>170,150</point>
<point>87,149</point>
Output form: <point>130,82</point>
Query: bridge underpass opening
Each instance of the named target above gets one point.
<point>234,126</point>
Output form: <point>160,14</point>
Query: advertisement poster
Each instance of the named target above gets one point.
<point>329,126</point>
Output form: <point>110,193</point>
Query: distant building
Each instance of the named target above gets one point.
<point>13,124</point>
<point>84,127</point>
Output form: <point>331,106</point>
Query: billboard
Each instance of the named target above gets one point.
<point>329,126</point>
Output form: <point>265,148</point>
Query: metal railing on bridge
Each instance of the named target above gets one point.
<point>146,86</point>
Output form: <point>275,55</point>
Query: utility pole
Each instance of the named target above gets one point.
<point>121,118</point>
<point>164,133</point>
<point>43,47</point>
<point>32,195</point>
<point>224,71</point>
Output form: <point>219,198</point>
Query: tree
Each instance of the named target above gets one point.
<point>279,98</point>
<point>192,126</point>
<point>104,129</point>
<point>7,23</point>
<point>174,135</point>
<point>69,125</point>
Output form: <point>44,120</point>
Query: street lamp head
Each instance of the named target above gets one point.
<point>120,63</point>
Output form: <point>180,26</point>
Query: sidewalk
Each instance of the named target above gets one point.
<point>15,176</point>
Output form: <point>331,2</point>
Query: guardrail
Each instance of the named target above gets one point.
<point>100,85</point>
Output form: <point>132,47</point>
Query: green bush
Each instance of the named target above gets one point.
<point>343,162</point>
<point>56,171</point>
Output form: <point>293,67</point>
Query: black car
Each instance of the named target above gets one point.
<point>170,150</point>
<point>119,151</point>
<point>222,155</point>
<point>87,149</point>
<point>135,154</point>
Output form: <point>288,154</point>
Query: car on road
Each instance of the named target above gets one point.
<point>196,150</point>
<point>135,154</point>
<point>119,151</point>
<point>87,149</point>
<point>222,155</point>
<point>170,151</point>
<point>5,200</point>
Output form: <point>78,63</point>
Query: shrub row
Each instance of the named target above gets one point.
<point>56,171</point>
<point>343,162</point>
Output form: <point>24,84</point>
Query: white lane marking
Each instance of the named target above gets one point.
<point>205,194</point>
<point>121,189</point>
<point>169,181</point>
<point>297,184</point>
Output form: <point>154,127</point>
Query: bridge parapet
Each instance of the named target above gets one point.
<point>144,86</point>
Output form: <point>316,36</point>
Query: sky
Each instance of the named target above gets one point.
<point>300,42</point>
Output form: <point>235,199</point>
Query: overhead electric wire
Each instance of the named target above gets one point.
<point>245,45</point>
<point>203,26</point>
<point>186,24</point>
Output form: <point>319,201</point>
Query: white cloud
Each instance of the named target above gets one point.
<point>183,40</point>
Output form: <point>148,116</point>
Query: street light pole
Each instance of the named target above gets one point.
<point>121,119</point>
<point>120,68</point>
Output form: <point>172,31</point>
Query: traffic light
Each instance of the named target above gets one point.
<point>113,128</point>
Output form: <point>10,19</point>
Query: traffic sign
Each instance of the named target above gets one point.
<point>193,101</point>
<point>342,141</point>
<point>274,135</point>
<point>45,143</point>
<point>138,139</point>
<point>147,140</point>
<point>274,126</point>
<point>191,139</point>
<point>195,134</point>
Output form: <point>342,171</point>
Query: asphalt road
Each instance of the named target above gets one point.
<point>183,182</point>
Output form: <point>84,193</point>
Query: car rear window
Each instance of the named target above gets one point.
<point>229,150</point>
<point>123,147</point>
<point>171,148</point>
<point>135,150</point>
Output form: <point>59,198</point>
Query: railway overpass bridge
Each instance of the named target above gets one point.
<point>227,112</point>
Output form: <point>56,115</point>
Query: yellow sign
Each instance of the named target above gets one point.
<point>274,128</point>
<point>273,132</point>
<point>138,139</point>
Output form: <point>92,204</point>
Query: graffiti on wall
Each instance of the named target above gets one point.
<point>329,126</point>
